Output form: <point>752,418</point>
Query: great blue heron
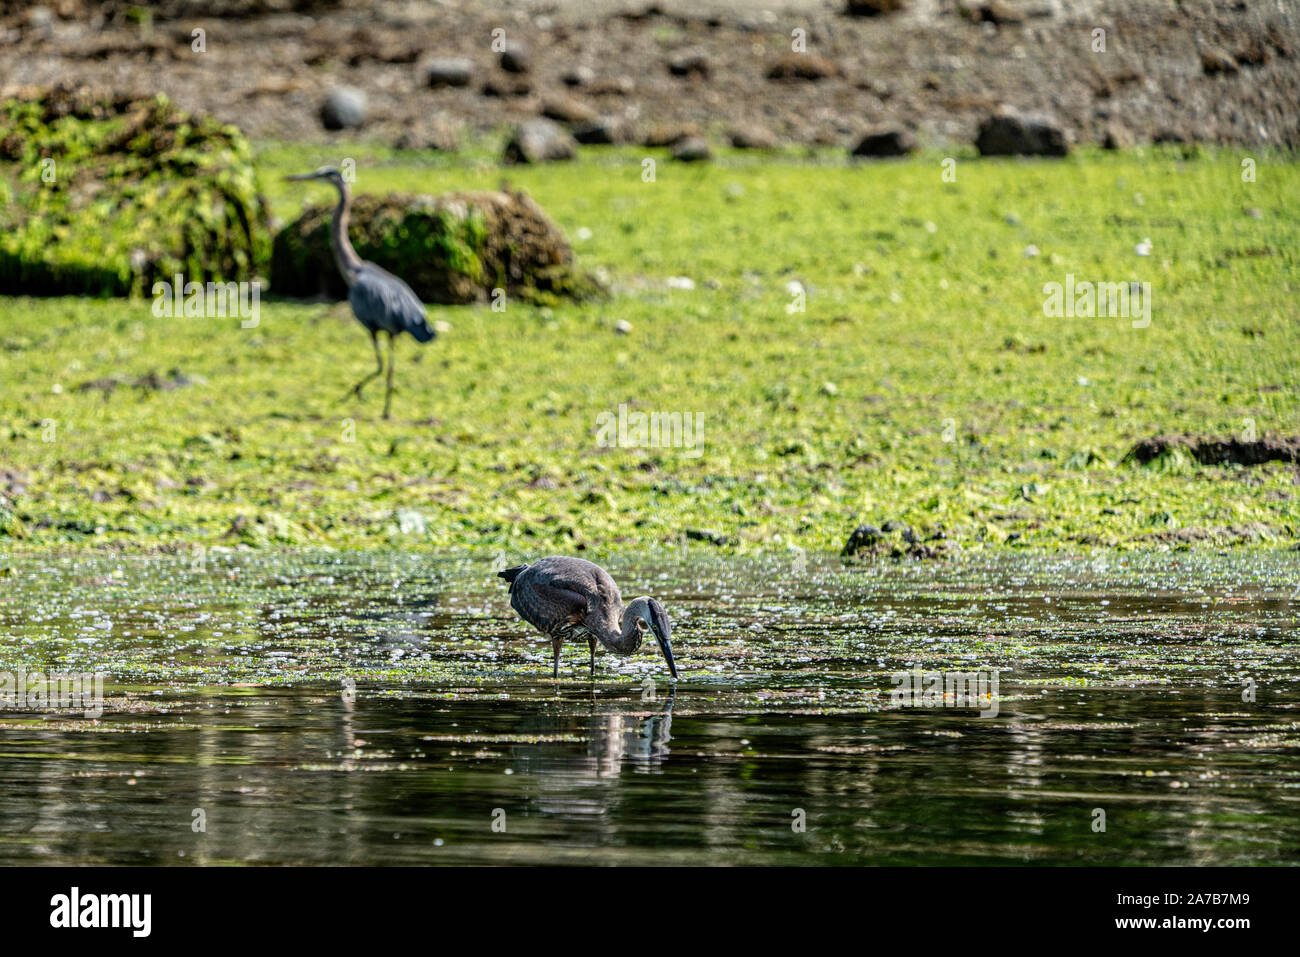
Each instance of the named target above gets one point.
<point>566,597</point>
<point>380,301</point>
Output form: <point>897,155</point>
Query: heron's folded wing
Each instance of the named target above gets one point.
<point>545,606</point>
<point>382,301</point>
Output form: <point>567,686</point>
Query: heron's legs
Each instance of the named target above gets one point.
<point>379,360</point>
<point>591,648</point>
<point>388,396</point>
<point>556,645</point>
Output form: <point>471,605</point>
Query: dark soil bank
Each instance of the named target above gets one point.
<point>794,72</point>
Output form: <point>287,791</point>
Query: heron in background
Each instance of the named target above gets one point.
<point>380,301</point>
<point>566,597</point>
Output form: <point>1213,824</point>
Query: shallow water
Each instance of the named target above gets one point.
<point>376,709</point>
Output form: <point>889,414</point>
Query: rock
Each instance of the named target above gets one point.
<point>40,24</point>
<point>997,12</point>
<point>1218,450</point>
<point>568,110</point>
<point>598,132</point>
<point>623,327</point>
<point>266,528</point>
<point>618,86</point>
<point>872,8</point>
<point>10,524</point>
<point>151,381</point>
<point>107,386</point>
<point>884,142</point>
<point>691,149</point>
<point>1215,59</point>
<point>752,138</point>
<point>451,249</point>
<point>923,551</point>
<point>1008,133</point>
<point>1254,52</point>
<point>514,58</point>
<point>709,535</point>
<point>449,71</point>
<point>1107,85</point>
<point>669,135</point>
<point>439,139</point>
<point>690,63</point>
<point>344,108</point>
<point>1117,137</point>
<point>578,76</point>
<point>540,141</point>
<point>803,66</point>
<point>864,538</point>
<point>507,86</point>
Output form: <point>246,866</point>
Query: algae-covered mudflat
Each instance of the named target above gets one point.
<point>825,345</point>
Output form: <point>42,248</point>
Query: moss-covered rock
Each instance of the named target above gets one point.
<point>11,525</point>
<point>104,195</point>
<point>451,249</point>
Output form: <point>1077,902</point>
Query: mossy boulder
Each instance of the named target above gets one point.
<point>11,525</point>
<point>103,195</point>
<point>451,249</point>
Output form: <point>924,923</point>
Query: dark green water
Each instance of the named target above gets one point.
<point>375,709</point>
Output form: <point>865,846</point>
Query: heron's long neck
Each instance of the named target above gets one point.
<point>622,639</point>
<point>344,255</point>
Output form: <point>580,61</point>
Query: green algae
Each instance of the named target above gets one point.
<point>105,195</point>
<point>921,383</point>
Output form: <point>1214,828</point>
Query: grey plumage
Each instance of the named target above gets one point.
<point>381,301</point>
<point>384,303</point>
<point>564,598</point>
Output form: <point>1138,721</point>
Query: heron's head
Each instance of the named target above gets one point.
<point>652,614</point>
<point>329,174</point>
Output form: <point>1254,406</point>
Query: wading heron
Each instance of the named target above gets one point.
<point>380,301</point>
<point>566,597</point>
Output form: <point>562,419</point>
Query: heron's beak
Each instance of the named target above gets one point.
<point>662,628</point>
<point>666,647</point>
<point>663,632</point>
<point>301,176</point>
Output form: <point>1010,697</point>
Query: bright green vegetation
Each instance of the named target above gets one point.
<point>106,196</point>
<point>923,382</point>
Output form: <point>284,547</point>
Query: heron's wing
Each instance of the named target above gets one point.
<point>382,301</point>
<point>545,606</point>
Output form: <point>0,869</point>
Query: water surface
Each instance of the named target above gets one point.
<point>326,708</point>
